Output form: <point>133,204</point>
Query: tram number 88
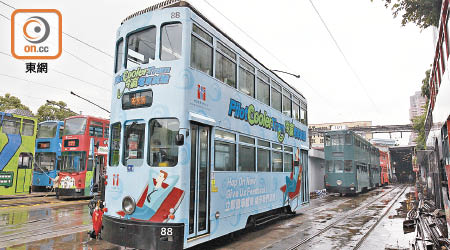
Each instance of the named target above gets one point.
<point>166,231</point>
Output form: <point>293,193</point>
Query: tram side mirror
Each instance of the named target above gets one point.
<point>179,139</point>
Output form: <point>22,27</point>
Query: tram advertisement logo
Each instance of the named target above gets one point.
<point>141,77</point>
<point>262,119</point>
<point>36,34</point>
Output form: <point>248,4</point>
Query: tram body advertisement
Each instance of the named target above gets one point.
<point>192,158</point>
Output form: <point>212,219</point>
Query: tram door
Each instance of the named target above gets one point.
<point>199,180</point>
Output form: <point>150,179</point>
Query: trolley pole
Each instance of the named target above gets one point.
<point>71,92</point>
<point>294,75</point>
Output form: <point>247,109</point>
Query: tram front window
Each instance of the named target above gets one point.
<point>134,143</point>
<point>75,126</point>
<point>73,161</point>
<point>47,130</point>
<point>45,162</point>
<point>163,150</point>
<point>141,47</point>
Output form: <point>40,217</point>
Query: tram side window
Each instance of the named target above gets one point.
<point>96,129</point>
<point>327,140</point>
<point>201,50</point>
<point>115,144</point>
<point>134,143</point>
<point>224,151</point>
<point>348,139</point>
<point>225,65</point>
<point>11,125</point>
<point>163,151</point>
<point>106,135</point>
<point>303,114</point>
<point>276,96</point>
<point>288,162</point>
<point>171,42</point>
<point>287,105</point>
<point>348,166</point>
<point>247,154</point>
<point>277,161</point>
<point>61,131</point>
<point>296,109</point>
<point>329,166</point>
<point>263,88</point>
<point>263,156</point>
<point>247,78</point>
<point>28,127</point>
<point>119,55</point>
<point>25,160</point>
<point>141,47</point>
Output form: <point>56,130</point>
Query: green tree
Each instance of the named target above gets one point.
<point>54,111</point>
<point>11,102</point>
<point>425,85</point>
<point>419,128</point>
<point>423,13</point>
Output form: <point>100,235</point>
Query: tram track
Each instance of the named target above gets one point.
<point>345,216</point>
<point>62,223</point>
<point>361,241</point>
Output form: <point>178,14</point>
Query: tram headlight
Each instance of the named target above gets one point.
<point>339,182</point>
<point>128,205</point>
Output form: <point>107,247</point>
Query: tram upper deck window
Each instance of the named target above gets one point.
<point>27,127</point>
<point>303,114</point>
<point>247,78</point>
<point>287,105</point>
<point>337,140</point>
<point>11,125</point>
<point>114,150</point>
<point>225,65</point>
<point>327,140</point>
<point>296,108</point>
<point>171,41</point>
<point>96,129</point>
<point>133,139</point>
<point>162,146</point>
<point>348,139</point>
<point>47,130</point>
<point>263,88</point>
<point>276,96</point>
<point>75,126</point>
<point>201,50</point>
<point>141,47</point>
<point>119,55</point>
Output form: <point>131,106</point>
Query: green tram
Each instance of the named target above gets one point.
<point>17,139</point>
<point>352,163</point>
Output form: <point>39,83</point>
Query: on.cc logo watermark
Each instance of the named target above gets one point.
<point>36,34</point>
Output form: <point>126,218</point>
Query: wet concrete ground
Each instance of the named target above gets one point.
<point>63,225</point>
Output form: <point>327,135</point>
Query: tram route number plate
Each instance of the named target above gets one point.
<point>166,231</point>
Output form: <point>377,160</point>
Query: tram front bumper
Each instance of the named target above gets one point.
<point>143,234</point>
<point>341,189</point>
<point>64,193</point>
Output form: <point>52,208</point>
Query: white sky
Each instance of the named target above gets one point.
<point>389,59</point>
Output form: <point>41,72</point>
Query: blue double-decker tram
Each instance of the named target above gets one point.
<point>48,154</point>
<point>205,140</point>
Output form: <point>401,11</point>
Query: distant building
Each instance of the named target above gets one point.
<point>316,141</point>
<point>416,103</point>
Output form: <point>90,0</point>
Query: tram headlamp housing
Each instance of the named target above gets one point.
<point>339,182</point>
<point>128,205</point>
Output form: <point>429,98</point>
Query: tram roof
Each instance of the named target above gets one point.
<point>181,3</point>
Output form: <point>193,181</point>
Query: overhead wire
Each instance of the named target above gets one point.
<point>271,54</point>
<point>73,77</point>
<point>345,58</point>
